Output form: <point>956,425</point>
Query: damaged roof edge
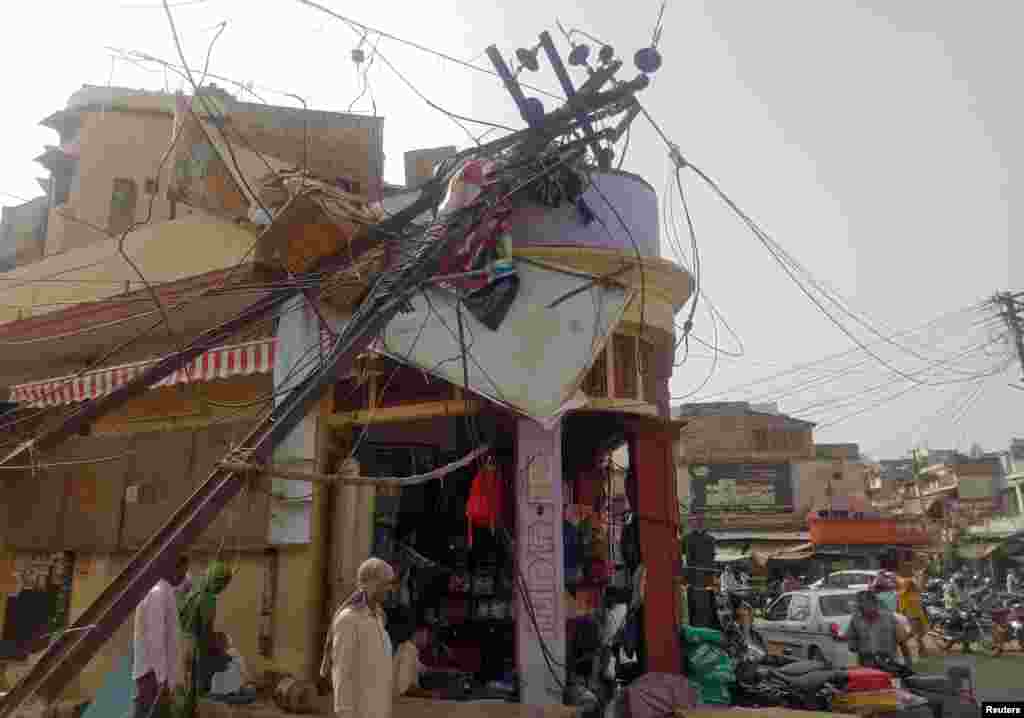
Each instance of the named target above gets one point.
<point>92,98</point>
<point>733,408</point>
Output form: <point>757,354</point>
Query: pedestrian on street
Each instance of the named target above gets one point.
<point>157,659</point>
<point>911,606</point>
<point>198,616</point>
<point>873,634</point>
<point>1012,582</point>
<point>358,652</point>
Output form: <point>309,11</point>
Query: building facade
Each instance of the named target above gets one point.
<point>72,517</point>
<point>205,253</point>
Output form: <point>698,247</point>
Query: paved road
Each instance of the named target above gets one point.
<point>996,678</point>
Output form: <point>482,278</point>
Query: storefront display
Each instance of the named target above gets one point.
<point>447,540</point>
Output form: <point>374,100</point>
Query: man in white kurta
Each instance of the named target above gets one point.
<point>358,655</point>
<point>157,644</point>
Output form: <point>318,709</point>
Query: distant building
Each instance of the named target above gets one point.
<point>751,475</point>
<point>23,233</point>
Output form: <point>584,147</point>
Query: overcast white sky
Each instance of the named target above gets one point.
<point>874,140</point>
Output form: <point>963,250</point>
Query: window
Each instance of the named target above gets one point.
<point>122,205</point>
<point>841,605</point>
<point>626,370</point>
<point>800,608</point>
<point>779,610</point>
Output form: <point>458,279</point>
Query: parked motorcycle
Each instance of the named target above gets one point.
<point>949,695</point>
<point>964,625</point>
<point>806,685</point>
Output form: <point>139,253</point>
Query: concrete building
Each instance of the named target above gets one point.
<point>737,476</point>
<point>23,233</point>
<point>1008,516</point>
<point>118,138</point>
<point>90,502</point>
<point>112,168</point>
<point>752,476</point>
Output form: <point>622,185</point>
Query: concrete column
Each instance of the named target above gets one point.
<point>539,558</point>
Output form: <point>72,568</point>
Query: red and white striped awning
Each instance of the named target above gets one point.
<point>255,357</point>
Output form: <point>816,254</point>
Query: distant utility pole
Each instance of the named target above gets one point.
<point>1012,315</point>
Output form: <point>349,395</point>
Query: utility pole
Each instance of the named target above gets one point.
<point>1012,314</point>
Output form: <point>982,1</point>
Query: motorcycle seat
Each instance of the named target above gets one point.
<point>800,668</point>
<point>813,681</point>
<point>933,683</point>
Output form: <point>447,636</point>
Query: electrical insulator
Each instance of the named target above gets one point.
<point>579,55</point>
<point>528,59</point>
<point>647,60</point>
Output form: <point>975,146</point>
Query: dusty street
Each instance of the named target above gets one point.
<point>996,677</point>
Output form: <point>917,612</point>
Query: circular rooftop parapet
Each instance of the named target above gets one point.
<point>615,199</point>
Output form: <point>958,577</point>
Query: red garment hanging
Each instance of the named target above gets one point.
<point>484,507</point>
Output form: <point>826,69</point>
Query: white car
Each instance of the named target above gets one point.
<point>810,625</point>
<point>858,579</point>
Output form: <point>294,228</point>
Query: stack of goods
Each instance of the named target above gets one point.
<point>485,586</point>
<point>455,606</point>
<point>587,546</point>
<point>708,665</point>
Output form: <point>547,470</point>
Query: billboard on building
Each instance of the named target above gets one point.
<point>741,486</point>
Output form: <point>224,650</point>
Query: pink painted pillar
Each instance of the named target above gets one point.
<point>539,558</point>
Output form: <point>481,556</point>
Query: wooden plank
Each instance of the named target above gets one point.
<point>407,412</point>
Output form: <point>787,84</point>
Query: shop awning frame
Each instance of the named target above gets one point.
<point>246,359</point>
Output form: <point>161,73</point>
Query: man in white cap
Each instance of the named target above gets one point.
<point>358,653</point>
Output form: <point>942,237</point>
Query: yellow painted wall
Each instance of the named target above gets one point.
<point>238,613</point>
<point>113,145</point>
<point>665,286</point>
<point>179,407</point>
<point>238,610</point>
<point>165,252</point>
<point>85,588</point>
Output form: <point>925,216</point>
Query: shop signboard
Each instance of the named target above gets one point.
<point>741,487</point>
<point>538,356</point>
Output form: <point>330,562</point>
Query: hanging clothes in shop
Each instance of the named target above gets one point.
<point>629,544</point>
<point>484,507</point>
<point>570,551</point>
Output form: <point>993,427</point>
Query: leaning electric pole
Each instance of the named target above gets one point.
<point>1012,315</point>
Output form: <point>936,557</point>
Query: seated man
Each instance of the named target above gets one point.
<point>232,677</point>
<point>416,655</point>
